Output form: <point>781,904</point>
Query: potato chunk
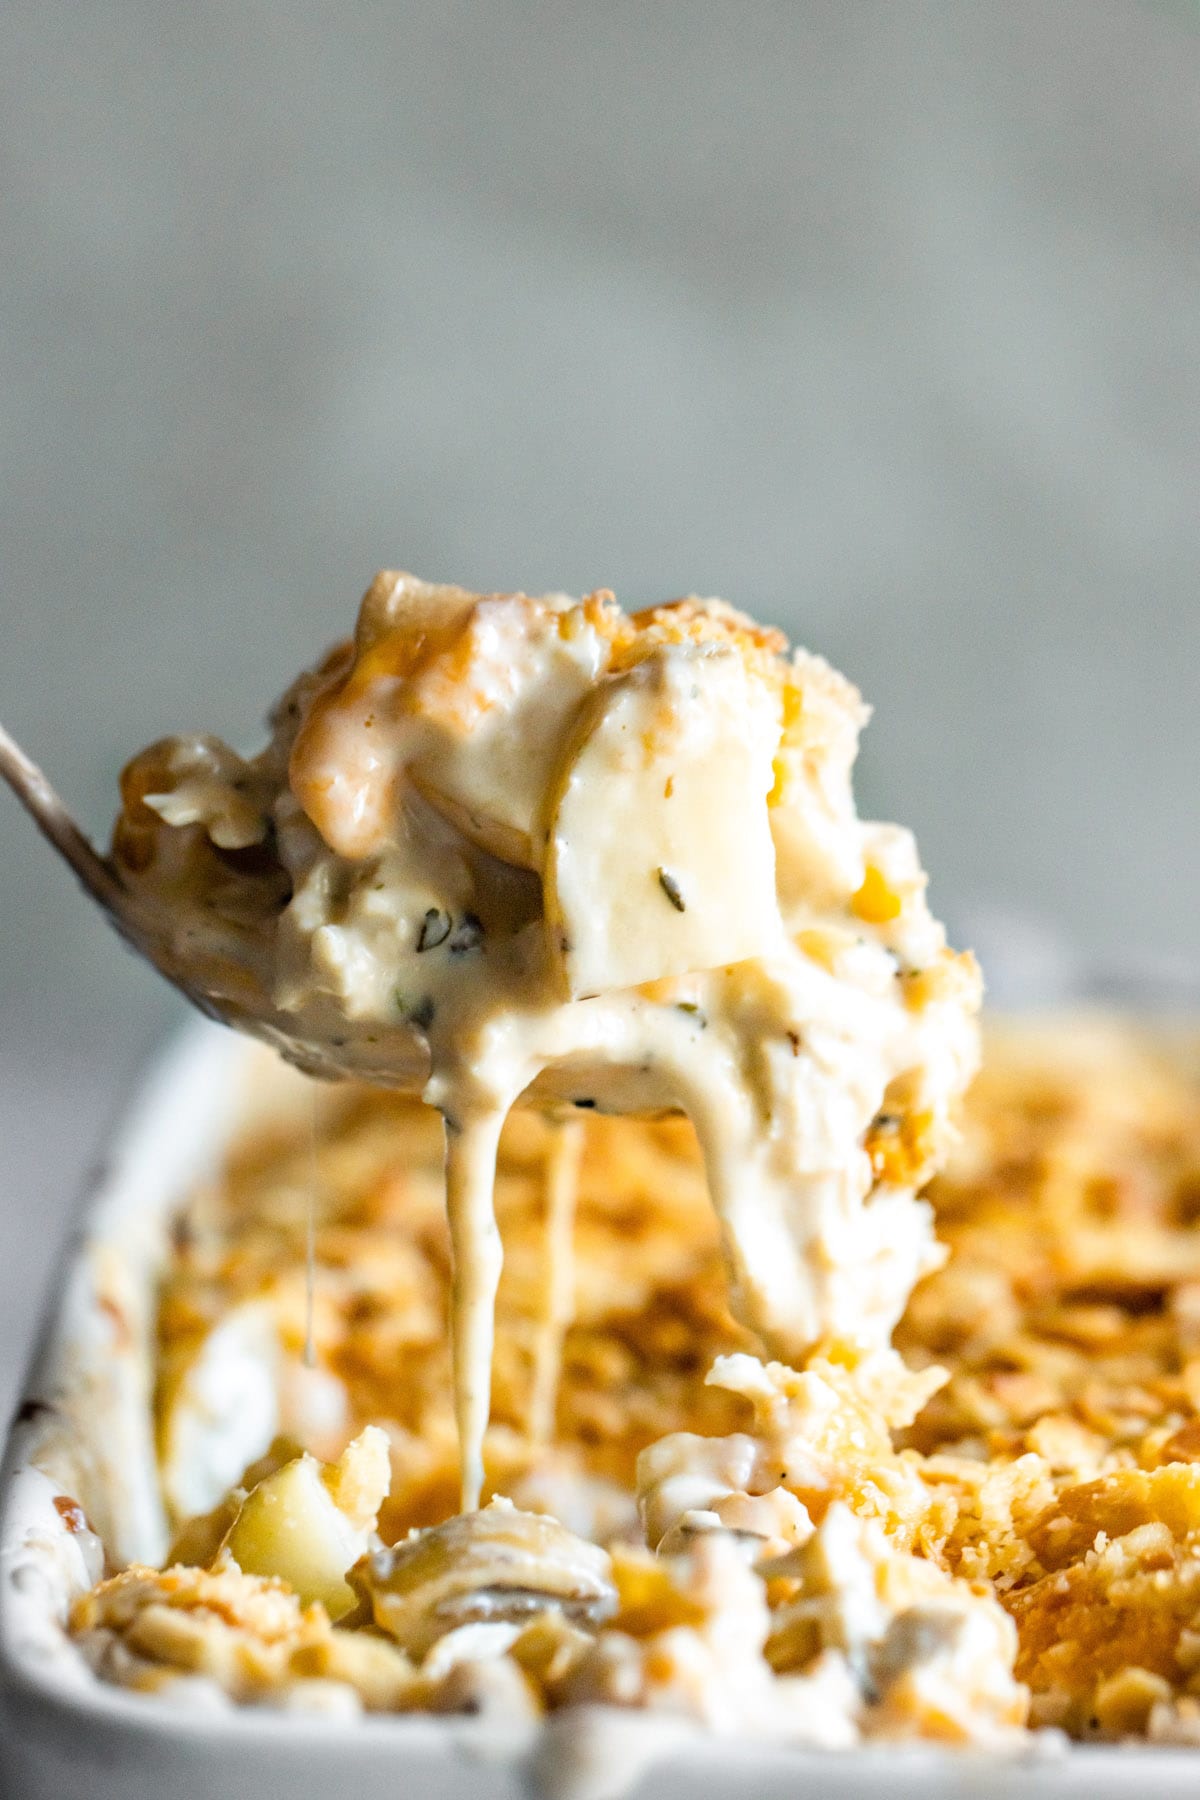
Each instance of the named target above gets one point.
<point>308,1523</point>
<point>660,859</point>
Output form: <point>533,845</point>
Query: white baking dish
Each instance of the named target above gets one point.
<point>84,1431</point>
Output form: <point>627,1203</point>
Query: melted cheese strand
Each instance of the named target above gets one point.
<point>558,1297</point>
<point>471,1145</point>
<point>310,1237</point>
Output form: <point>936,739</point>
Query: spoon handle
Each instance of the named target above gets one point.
<point>56,824</point>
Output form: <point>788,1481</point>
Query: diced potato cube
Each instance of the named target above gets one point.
<point>199,1539</point>
<point>308,1523</point>
<point>660,858</point>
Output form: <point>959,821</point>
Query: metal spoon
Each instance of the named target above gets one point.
<point>397,1059</point>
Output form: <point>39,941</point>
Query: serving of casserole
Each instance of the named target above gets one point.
<point>589,1388</point>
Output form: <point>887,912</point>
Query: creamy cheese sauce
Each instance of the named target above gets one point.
<point>514,848</point>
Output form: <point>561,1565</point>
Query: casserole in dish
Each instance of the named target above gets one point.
<point>83,1481</point>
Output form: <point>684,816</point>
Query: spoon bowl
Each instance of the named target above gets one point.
<point>400,1061</point>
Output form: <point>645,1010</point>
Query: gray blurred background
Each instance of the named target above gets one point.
<point>881,319</point>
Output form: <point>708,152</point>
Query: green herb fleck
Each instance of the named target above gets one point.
<point>419,1013</point>
<point>466,936</point>
<point>670,888</point>
<point>435,929</point>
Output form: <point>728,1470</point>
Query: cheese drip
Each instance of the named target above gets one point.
<point>470,1179</point>
<point>558,1303</point>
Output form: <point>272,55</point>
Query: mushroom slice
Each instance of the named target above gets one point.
<point>498,1564</point>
